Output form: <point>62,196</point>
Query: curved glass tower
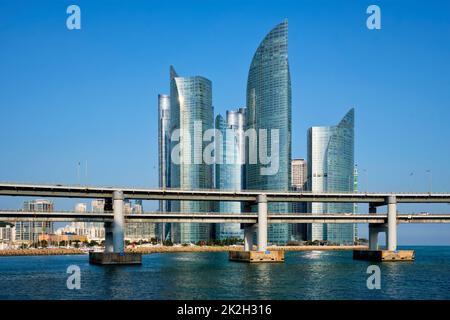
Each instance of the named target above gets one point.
<point>331,168</point>
<point>229,168</point>
<point>163,153</point>
<point>269,107</point>
<point>191,113</point>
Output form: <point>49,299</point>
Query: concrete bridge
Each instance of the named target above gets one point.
<point>13,216</point>
<point>115,221</point>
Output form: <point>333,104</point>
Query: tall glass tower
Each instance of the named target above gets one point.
<point>331,168</point>
<point>230,152</point>
<point>269,107</point>
<point>191,114</point>
<point>163,229</point>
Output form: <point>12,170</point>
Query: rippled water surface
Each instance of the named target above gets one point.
<point>304,275</point>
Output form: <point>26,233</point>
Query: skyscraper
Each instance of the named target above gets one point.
<point>191,114</point>
<point>230,152</point>
<point>163,229</point>
<point>299,178</point>
<point>330,168</point>
<point>269,108</point>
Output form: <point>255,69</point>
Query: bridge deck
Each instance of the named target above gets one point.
<point>67,191</point>
<point>63,216</point>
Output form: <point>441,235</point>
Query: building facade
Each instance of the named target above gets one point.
<point>7,233</point>
<point>269,108</point>
<point>29,231</point>
<point>229,174</point>
<point>299,174</point>
<point>191,114</point>
<point>330,169</point>
<point>163,229</point>
<point>135,231</point>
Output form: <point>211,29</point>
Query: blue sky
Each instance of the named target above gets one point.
<point>91,94</point>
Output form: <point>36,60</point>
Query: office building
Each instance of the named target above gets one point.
<point>299,178</point>
<point>330,169</point>
<point>29,231</point>
<point>269,108</point>
<point>163,229</point>
<point>135,231</point>
<point>191,114</point>
<point>230,152</point>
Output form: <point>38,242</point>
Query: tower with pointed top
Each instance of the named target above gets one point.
<point>269,108</point>
<point>331,169</point>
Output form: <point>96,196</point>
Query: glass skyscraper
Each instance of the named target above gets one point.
<point>269,107</point>
<point>191,113</point>
<point>163,229</point>
<point>229,168</point>
<point>330,168</point>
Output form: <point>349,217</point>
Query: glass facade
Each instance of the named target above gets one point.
<point>163,229</point>
<point>190,107</point>
<point>269,107</point>
<point>330,168</point>
<point>229,168</point>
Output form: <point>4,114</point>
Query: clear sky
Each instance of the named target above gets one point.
<point>90,95</point>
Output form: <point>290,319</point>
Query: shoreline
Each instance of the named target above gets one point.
<point>169,249</point>
<point>40,252</point>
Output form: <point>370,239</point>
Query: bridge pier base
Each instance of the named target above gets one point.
<point>114,239</point>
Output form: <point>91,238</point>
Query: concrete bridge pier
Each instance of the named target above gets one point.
<point>390,228</point>
<point>109,246</point>
<point>119,222</point>
<point>114,239</point>
<point>261,255</point>
<point>391,236</point>
<point>374,230</point>
<point>248,236</point>
<point>262,222</point>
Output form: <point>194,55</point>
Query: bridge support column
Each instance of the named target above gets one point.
<point>109,247</point>
<point>248,237</point>
<point>390,228</point>
<point>262,222</point>
<point>391,235</point>
<point>114,238</point>
<point>373,230</point>
<point>119,222</point>
<point>373,237</point>
<point>261,255</point>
